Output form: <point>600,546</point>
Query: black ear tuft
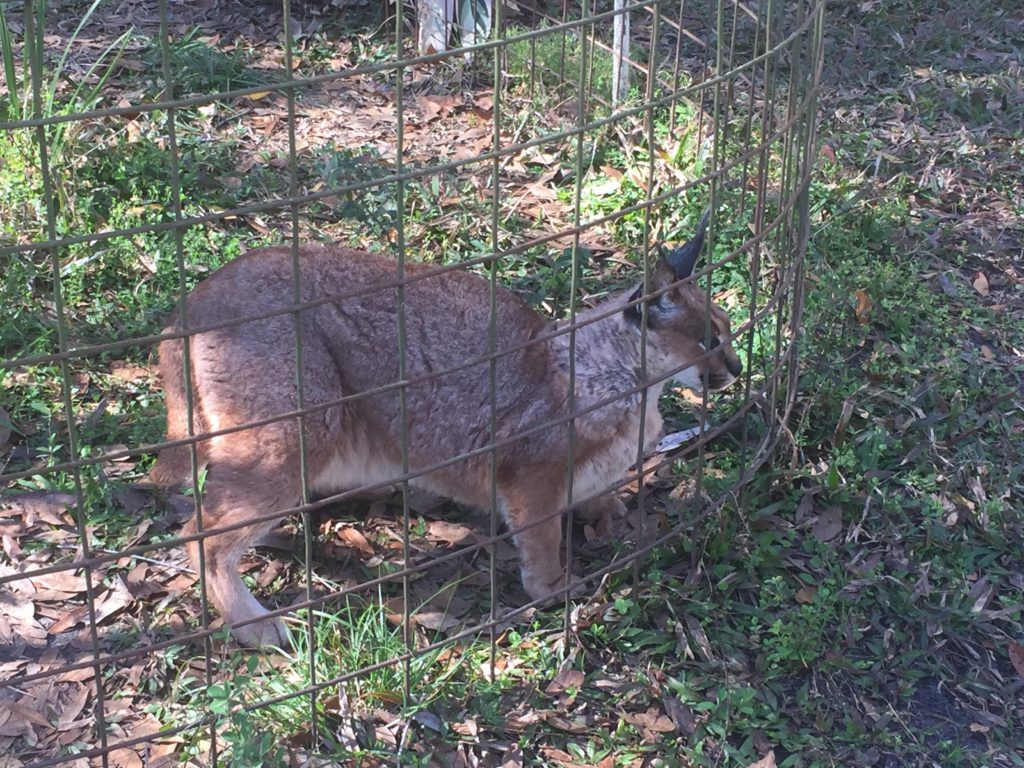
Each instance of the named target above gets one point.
<point>635,313</point>
<point>684,258</point>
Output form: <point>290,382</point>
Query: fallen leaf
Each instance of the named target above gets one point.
<point>6,426</point>
<point>61,581</point>
<point>18,622</point>
<point>828,525</point>
<point>122,371</point>
<point>40,506</point>
<point>567,678</point>
<point>116,598</point>
<point>124,758</point>
<point>805,595</point>
<point>863,307</point>
<point>450,533</point>
<point>430,720</point>
<point>681,715</point>
<point>768,761</point>
<point>1016,652</point>
<point>68,620</point>
<point>651,720</point>
<point>436,620</point>
<point>513,758</point>
<point>73,707</point>
<point>352,537</point>
<point>980,283</point>
<point>559,756</point>
<point>25,713</point>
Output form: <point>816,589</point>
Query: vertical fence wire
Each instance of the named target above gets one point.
<point>574,266</point>
<point>492,342</point>
<point>300,368</point>
<point>754,267</point>
<point>403,392</point>
<point>641,448</point>
<point>174,166</point>
<point>34,37</point>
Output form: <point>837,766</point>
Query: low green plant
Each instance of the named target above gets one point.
<point>39,95</point>
<point>199,66</point>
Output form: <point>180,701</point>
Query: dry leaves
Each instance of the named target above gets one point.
<point>352,537</point>
<point>768,761</point>
<point>564,680</point>
<point>18,623</point>
<point>863,309</point>
<point>828,525</point>
<point>1016,652</point>
<point>980,283</point>
<point>6,426</point>
<point>805,595</point>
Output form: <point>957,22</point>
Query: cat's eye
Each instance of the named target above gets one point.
<point>714,343</point>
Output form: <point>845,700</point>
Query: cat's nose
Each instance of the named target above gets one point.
<point>734,366</point>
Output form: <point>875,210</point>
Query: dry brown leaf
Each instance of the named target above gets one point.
<point>681,715</point>
<point>122,371</point>
<point>436,106</point>
<point>768,761</point>
<point>450,533</point>
<point>73,707</point>
<point>980,283</point>
<point>43,506</point>
<point>77,675</point>
<point>5,427</point>
<point>352,537</point>
<point>68,620</point>
<point>61,581</point>
<point>513,758</point>
<point>18,622</point>
<point>567,678</point>
<point>828,525</point>
<point>125,758</point>
<point>1016,651</point>
<point>651,720</point>
<point>436,620</point>
<point>25,714</point>
<point>863,308</point>
<point>560,757</point>
<point>805,595</point>
<point>116,598</point>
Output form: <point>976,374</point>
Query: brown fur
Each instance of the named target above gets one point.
<point>248,372</point>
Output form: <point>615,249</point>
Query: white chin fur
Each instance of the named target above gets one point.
<point>689,378</point>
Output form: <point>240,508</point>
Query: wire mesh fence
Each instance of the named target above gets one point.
<point>492,322</point>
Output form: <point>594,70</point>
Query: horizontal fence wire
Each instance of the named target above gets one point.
<point>719,113</point>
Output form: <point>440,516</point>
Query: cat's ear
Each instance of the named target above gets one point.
<point>684,258</point>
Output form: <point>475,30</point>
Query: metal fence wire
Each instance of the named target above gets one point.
<point>143,149</point>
